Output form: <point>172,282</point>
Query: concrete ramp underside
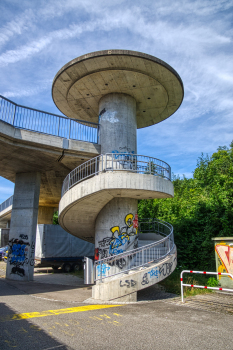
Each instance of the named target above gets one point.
<point>80,205</point>
<point>25,151</point>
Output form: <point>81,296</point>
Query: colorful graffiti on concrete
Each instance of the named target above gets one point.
<point>18,255</point>
<point>225,257</point>
<point>121,237</point>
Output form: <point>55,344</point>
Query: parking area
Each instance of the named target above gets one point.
<point>46,315</point>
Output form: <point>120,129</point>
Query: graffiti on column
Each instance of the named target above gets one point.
<point>125,158</point>
<point>18,255</point>
<point>121,237</point>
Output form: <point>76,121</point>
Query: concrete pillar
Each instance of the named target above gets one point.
<point>116,224</point>
<point>20,262</point>
<point>45,215</point>
<point>116,227</point>
<point>118,124</point>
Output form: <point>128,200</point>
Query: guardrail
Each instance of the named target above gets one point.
<point>139,257</point>
<point>8,202</point>
<point>47,123</point>
<point>117,162</point>
<point>203,287</point>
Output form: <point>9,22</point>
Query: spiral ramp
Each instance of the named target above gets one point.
<point>143,264</point>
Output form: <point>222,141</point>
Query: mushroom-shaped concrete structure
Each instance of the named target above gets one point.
<point>156,87</point>
<point>122,90</point>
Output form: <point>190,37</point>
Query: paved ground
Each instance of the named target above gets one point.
<point>45,315</point>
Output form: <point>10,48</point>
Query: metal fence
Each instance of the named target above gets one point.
<point>139,257</point>
<point>47,123</point>
<point>203,287</point>
<point>8,202</point>
<point>117,162</point>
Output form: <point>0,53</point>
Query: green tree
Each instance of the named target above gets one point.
<point>202,208</point>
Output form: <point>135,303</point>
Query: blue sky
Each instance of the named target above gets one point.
<point>195,37</point>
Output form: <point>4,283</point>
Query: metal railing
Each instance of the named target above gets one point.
<point>117,162</point>
<point>139,257</point>
<point>7,203</point>
<point>203,287</point>
<point>47,123</point>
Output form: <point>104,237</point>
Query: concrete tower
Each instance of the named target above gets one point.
<point>122,91</point>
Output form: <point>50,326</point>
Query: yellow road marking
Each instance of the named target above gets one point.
<point>70,310</point>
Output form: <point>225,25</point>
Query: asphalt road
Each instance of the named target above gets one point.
<point>31,321</point>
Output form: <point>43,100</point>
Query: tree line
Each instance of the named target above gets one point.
<point>202,208</point>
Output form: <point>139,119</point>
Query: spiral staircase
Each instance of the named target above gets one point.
<point>151,257</point>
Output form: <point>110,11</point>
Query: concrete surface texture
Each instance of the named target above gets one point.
<point>118,125</point>
<point>80,206</point>
<point>124,287</point>
<point>54,157</point>
<point>81,83</point>
<point>22,237</point>
<point>115,231</point>
<point>52,316</point>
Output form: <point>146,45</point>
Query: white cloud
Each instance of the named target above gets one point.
<point>194,37</point>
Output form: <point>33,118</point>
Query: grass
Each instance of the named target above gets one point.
<point>171,284</point>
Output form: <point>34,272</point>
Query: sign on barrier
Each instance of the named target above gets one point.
<point>203,287</point>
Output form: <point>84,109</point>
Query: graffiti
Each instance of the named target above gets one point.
<point>145,279</point>
<point>32,254</point>
<point>23,236</point>
<point>18,255</point>
<point>224,253</point>
<point>102,269</point>
<point>120,239</point>
<point>120,263</point>
<point>103,253</point>
<point>17,252</point>
<point>121,236</point>
<point>18,271</point>
<point>166,269</point>
<point>154,273</point>
<point>125,150</point>
<point>128,283</point>
<point>105,242</point>
<point>102,112</point>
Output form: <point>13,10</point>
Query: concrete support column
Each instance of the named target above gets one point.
<point>20,262</point>
<point>116,224</point>
<point>118,124</point>
<point>116,228</point>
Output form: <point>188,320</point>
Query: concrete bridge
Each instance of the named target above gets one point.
<point>108,95</point>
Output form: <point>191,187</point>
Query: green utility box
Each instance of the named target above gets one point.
<point>224,259</point>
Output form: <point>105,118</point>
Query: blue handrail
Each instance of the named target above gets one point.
<point>47,123</point>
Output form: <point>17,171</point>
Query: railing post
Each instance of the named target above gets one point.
<point>69,181</point>
<point>101,272</point>
<point>69,129</point>
<point>58,127</point>
<point>14,116</point>
<point>181,280</point>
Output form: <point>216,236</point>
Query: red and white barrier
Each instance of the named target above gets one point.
<point>204,287</point>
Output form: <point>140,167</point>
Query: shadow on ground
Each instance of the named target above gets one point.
<point>22,334</point>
